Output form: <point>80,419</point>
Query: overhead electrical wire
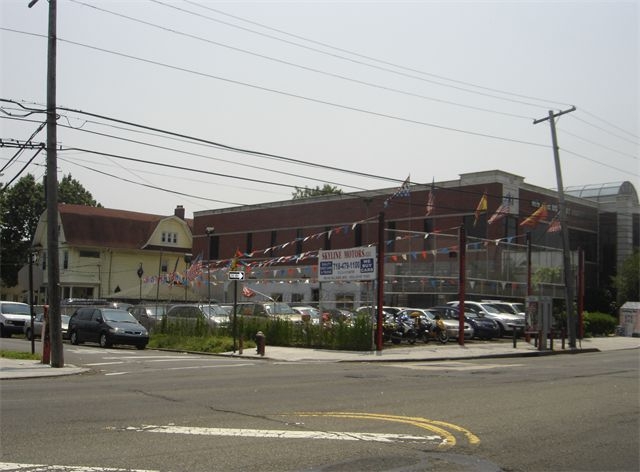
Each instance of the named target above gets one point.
<point>147,185</point>
<point>299,66</point>
<point>370,58</point>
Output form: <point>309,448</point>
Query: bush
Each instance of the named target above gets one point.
<point>197,337</point>
<point>599,324</point>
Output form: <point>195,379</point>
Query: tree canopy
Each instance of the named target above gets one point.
<point>20,208</point>
<point>307,192</point>
<point>627,280</point>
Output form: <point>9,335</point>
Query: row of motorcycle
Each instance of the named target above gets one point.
<point>396,329</point>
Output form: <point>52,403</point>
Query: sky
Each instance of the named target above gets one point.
<point>211,104</point>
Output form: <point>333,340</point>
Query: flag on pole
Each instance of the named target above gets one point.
<point>503,210</point>
<point>247,292</point>
<point>431,200</point>
<point>554,225</point>
<point>535,217</point>
<point>173,276</point>
<point>195,268</point>
<point>481,208</point>
<point>403,191</point>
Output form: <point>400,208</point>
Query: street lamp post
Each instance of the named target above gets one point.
<point>210,230</point>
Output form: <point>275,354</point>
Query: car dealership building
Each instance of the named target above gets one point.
<point>513,243</point>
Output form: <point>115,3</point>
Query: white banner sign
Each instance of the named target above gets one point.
<point>357,263</point>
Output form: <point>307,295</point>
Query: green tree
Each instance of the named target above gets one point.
<point>20,208</point>
<point>71,191</point>
<point>307,192</point>
<point>627,281</point>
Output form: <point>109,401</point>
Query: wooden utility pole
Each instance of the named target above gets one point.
<point>53,263</point>
<point>564,230</point>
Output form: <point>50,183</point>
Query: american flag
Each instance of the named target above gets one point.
<point>554,225</point>
<point>195,268</point>
<point>403,191</point>
<point>502,211</point>
<point>431,200</point>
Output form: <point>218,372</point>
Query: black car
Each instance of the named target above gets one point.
<point>106,326</point>
<point>483,328</point>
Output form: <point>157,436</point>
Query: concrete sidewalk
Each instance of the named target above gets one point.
<point>18,369</point>
<point>435,351</point>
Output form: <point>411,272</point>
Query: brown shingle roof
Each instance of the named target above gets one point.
<point>105,227</point>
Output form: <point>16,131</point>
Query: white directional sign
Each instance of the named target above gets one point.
<point>357,263</point>
<point>236,275</point>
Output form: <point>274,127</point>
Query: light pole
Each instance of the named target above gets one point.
<point>210,230</point>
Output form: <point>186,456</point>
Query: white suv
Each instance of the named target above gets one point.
<point>506,321</point>
<point>13,316</point>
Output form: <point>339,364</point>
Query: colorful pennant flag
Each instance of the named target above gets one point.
<point>535,217</point>
<point>481,208</point>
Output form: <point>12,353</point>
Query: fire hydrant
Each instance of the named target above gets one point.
<point>260,343</point>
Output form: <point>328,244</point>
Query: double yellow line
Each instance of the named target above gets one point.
<point>435,426</point>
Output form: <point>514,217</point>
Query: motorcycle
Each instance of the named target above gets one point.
<point>430,332</point>
<point>398,329</point>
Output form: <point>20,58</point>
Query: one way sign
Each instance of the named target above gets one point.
<point>236,275</point>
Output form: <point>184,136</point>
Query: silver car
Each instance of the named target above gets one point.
<point>38,323</point>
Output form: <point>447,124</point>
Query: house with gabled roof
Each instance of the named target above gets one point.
<point>118,254</point>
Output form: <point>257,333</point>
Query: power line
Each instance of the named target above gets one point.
<point>299,66</point>
<point>370,58</point>
<point>154,187</point>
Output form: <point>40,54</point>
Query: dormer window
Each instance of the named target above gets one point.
<point>169,238</point>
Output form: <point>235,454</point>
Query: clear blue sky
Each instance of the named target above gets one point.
<point>430,89</point>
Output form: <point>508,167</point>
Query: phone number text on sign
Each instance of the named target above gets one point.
<point>357,263</point>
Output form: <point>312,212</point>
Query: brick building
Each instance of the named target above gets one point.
<point>277,243</point>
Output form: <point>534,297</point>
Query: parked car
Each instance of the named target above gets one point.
<point>185,312</point>
<point>148,315</point>
<point>337,316</point>
<point>216,315</point>
<point>278,310</point>
<point>453,327</point>
<point>507,321</point>
<point>309,314</point>
<point>508,307</point>
<point>13,316</point>
<point>483,328</point>
<point>38,323</point>
<point>106,326</point>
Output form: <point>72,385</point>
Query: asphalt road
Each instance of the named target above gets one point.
<point>159,411</point>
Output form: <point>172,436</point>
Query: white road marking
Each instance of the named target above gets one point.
<point>105,363</point>
<point>146,371</point>
<point>457,366</point>
<point>8,466</point>
<point>286,434</point>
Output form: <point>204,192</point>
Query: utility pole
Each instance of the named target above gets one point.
<point>564,230</point>
<point>53,264</point>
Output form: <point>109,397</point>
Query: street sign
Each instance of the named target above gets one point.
<point>236,275</point>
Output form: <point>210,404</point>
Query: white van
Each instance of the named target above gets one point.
<point>13,316</point>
